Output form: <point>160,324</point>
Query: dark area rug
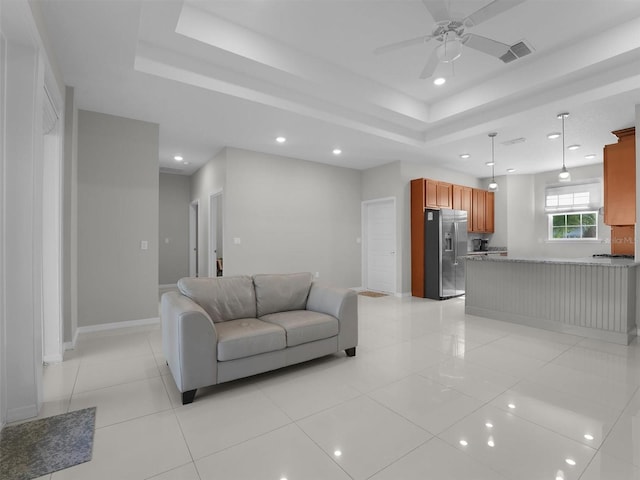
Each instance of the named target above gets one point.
<point>33,449</point>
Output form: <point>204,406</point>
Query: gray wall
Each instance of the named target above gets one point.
<point>173,241</point>
<point>208,180</point>
<point>70,218</point>
<point>290,215</point>
<point>117,209</point>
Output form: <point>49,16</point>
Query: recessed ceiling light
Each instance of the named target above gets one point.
<point>570,461</point>
<point>464,443</point>
<point>573,147</point>
<point>178,158</point>
<point>491,443</point>
<point>281,139</point>
<point>591,156</point>
<point>511,406</point>
<point>490,164</point>
<point>464,155</point>
<point>554,135</point>
<point>337,151</point>
<point>338,453</point>
<point>488,425</point>
<point>185,163</point>
<point>511,170</point>
<point>440,81</point>
<point>588,436</point>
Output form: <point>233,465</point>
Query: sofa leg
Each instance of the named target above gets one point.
<point>187,397</point>
<point>351,352</point>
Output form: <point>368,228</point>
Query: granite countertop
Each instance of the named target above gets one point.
<point>606,262</point>
<point>487,252</point>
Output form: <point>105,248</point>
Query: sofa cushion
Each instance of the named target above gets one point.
<point>281,292</point>
<point>245,337</point>
<point>223,298</point>
<point>303,326</point>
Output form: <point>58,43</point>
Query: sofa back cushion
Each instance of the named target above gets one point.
<point>223,298</point>
<point>281,292</point>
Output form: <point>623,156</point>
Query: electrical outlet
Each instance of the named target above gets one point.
<point>317,274</point>
<point>144,245</point>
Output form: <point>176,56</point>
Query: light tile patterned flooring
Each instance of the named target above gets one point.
<point>432,394</point>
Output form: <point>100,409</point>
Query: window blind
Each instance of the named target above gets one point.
<point>577,196</point>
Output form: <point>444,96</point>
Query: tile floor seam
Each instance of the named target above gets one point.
<point>319,447</point>
<point>82,392</point>
<point>401,457</point>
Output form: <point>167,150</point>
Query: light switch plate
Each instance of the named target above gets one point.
<point>144,245</point>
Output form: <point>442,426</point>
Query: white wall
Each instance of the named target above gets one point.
<point>521,201</point>
<point>117,210</point>
<point>3,357</point>
<point>173,241</point>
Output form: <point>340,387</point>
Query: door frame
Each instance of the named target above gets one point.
<point>365,240</point>
<point>194,210</point>
<point>214,222</point>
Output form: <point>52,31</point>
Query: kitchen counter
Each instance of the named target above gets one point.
<point>604,261</point>
<point>590,297</point>
<point>487,252</point>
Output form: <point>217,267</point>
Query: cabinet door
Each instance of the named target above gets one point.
<point>444,194</point>
<point>431,194</point>
<point>478,210</point>
<point>462,200</point>
<point>623,240</point>
<point>620,180</point>
<point>489,212</point>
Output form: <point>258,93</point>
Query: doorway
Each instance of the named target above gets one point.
<point>193,239</point>
<point>379,245</point>
<point>215,235</point>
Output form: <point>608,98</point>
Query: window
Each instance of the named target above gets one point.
<point>573,226</point>
<point>573,210</point>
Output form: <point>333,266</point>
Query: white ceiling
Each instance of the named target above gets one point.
<point>241,72</point>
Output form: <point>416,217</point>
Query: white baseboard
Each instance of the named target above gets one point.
<point>21,413</point>
<point>169,285</point>
<point>115,325</point>
<point>403,294</point>
<point>57,358</point>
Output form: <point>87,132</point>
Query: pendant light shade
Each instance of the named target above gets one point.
<point>493,186</point>
<point>564,175</point>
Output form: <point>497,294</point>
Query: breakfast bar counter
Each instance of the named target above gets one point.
<point>591,297</point>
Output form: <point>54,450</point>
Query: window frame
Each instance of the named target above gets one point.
<point>550,226</point>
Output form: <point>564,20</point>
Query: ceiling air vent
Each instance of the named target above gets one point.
<point>175,171</point>
<point>517,50</point>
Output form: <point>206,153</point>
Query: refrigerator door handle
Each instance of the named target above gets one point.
<point>455,243</point>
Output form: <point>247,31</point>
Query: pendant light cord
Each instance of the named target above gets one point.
<point>563,165</point>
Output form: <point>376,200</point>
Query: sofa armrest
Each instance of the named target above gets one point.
<point>189,342</point>
<point>342,304</point>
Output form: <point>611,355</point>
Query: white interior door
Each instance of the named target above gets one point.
<point>380,245</point>
<point>193,239</point>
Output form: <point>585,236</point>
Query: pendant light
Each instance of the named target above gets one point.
<point>564,175</point>
<point>493,186</point>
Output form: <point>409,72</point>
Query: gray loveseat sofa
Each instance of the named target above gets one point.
<point>219,329</point>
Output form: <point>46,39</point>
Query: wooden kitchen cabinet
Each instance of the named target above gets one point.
<point>478,210</point>
<point>620,179</point>
<point>438,194</point>
<point>462,199</point>
<point>482,211</point>
<point>489,212</point>
<point>623,239</point>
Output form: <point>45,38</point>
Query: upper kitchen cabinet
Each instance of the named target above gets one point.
<point>482,211</point>
<point>462,199</point>
<point>438,194</point>
<point>620,179</point>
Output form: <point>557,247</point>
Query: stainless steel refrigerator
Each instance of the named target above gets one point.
<point>445,238</point>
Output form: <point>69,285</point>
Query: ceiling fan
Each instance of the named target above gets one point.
<point>451,34</point>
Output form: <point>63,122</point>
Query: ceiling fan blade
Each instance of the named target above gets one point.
<point>493,9</point>
<point>404,43</point>
<point>485,45</point>
<point>438,9</point>
<point>431,65</point>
